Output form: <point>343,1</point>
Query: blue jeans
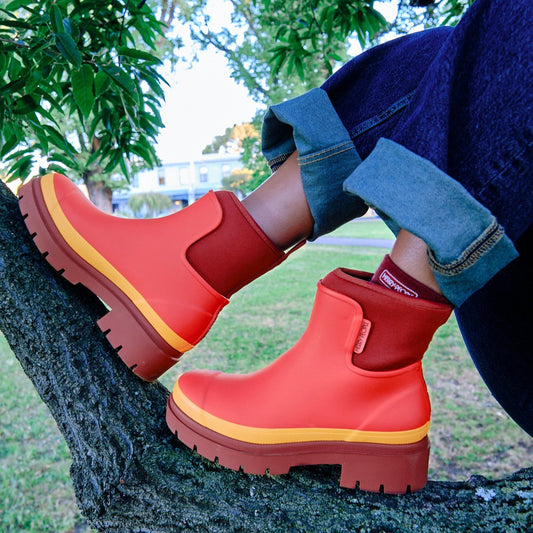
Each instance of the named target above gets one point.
<point>435,131</point>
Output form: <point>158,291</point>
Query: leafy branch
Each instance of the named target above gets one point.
<point>92,62</point>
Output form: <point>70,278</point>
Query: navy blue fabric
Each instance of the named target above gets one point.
<point>472,116</point>
<point>495,323</point>
<point>462,99</point>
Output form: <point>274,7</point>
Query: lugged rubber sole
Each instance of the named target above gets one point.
<point>387,468</point>
<point>138,344</point>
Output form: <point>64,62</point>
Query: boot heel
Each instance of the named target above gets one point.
<point>143,351</point>
<point>392,469</point>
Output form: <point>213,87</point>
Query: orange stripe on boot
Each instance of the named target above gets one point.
<point>258,435</point>
<point>87,252</point>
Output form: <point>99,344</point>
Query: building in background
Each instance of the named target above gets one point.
<point>184,181</point>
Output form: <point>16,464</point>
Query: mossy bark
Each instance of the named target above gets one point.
<point>130,474</point>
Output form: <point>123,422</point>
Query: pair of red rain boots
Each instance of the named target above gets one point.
<point>350,392</point>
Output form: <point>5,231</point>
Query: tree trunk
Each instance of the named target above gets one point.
<point>131,474</point>
<point>100,195</point>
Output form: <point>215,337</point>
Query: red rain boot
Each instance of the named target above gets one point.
<point>161,306</point>
<point>314,405</point>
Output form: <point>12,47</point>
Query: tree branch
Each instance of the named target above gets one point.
<point>130,474</point>
<point>206,37</point>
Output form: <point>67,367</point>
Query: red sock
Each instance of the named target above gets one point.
<point>236,252</point>
<point>391,276</point>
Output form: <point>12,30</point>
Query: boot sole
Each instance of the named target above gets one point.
<point>138,344</point>
<point>384,468</point>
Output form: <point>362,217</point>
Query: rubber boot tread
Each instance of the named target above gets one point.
<point>392,469</point>
<point>138,344</point>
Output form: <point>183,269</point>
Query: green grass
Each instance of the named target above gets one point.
<point>470,434</point>
<point>364,228</point>
<point>35,488</point>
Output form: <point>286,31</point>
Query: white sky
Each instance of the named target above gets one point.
<point>203,100</point>
<point>200,103</point>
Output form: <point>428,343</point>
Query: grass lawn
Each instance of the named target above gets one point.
<point>470,434</point>
<point>364,228</point>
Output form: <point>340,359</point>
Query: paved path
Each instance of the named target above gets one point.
<point>349,241</point>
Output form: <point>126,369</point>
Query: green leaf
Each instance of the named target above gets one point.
<point>146,33</point>
<point>277,59</point>
<point>45,113</point>
<point>15,67</point>
<point>21,168</point>
<point>24,105</point>
<point>298,63</point>
<point>17,155</point>
<point>54,102</point>
<point>107,119</point>
<point>33,81</point>
<point>71,28</point>
<point>12,6</point>
<point>61,159</point>
<point>42,138</point>
<point>57,168</point>
<point>101,83</point>
<point>124,167</point>
<point>154,81</point>
<point>121,79</point>
<point>56,19</point>
<point>82,88</point>
<point>55,137</point>
<point>142,151</point>
<point>114,161</point>
<point>290,63</point>
<point>124,51</point>
<point>15,24</point>
<point>335,56</point>
<point>9,145</point>
<point>66,45</point>
<point>14,86</point>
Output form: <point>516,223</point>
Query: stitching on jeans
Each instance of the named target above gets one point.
<point>490,237</point>
<point>277,161</point>
<point>302,164</point>
<point>381,117</point>
<point>510,161</point>
<point>326,150</point>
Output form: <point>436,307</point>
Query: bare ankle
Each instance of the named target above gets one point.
<point>410,254</point>
<point>279,206</point>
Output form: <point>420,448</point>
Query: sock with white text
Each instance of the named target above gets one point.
<point>390,275</point>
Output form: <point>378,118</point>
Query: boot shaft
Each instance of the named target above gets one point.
<point>396,329</point>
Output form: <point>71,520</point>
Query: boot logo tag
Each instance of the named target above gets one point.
<point>362,337</point>
<point>392,283</point>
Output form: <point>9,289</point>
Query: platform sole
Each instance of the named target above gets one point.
<point>387,468</point>
<point>138,344</point>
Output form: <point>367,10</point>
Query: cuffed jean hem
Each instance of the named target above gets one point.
<point>467,246</point>
<point>310,125</point>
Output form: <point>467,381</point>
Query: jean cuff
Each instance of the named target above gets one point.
<point>326,156</point>
<point>467,246</point>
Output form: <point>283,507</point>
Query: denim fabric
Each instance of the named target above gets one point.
<point>365,99</point>
<point>323,146</point>
<point>455,105</point>
<point>495,323</point>
<point>466,244</point>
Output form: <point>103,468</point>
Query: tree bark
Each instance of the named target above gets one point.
<point>100,195</point>
<point>131,474</point>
